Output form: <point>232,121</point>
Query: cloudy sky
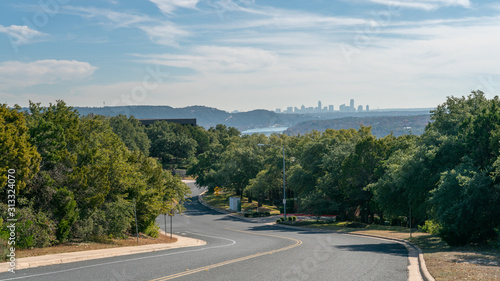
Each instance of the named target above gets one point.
<point>248,54</point>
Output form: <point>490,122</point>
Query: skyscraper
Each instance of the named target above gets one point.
<point>319,106</point>
<point>352,104</point>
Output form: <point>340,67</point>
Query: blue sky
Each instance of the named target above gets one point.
<point>248,54</point>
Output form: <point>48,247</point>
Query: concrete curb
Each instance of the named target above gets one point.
<point>417,269</point>
<point>31,262</point>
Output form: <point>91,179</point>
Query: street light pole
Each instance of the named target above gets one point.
<point>284,185</point>
<point>284,176</point>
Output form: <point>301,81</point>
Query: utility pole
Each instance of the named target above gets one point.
<point>165,219</point>
<point>284,177</point>
<point>410,220</point>
<point>136,228</point>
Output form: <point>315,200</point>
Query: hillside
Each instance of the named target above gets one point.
<point>206,116</point>
<point>383,122</point>
<point>381,125</point>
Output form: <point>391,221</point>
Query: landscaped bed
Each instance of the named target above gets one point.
<point>221,201</point>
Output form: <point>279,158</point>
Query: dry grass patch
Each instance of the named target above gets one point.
<point>221,201</point>
<point>76,247</point>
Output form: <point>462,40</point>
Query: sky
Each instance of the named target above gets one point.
<point>248,54</point>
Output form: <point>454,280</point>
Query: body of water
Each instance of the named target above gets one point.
<point>266,131</point>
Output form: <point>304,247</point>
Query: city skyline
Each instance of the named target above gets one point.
<point>321,109</point>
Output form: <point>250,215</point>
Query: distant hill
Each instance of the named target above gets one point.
<point>206,116</point>
<point>381,125</point>
<point>383,122</point>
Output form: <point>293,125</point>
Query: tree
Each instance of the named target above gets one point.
<point>132,133</point>
<point>239,164</point>
<point>16,153</point>
<point>466,205</point>
<point>360,169</point>
<point>173,149</point>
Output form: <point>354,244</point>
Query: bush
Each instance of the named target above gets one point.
<point>33,228</point>
<point>153,230</point>
<point>4,236</point>
<point>90,228</point>
<point>65,212</point>
<point>431,227</point>
<point>280,220</point>
<point>120,217</point>
<point>267,214</point>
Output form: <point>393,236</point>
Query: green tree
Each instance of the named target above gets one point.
<point>132,133</point>
<point>16,152</point>
<point>466,205</point>
<point>173,149</point>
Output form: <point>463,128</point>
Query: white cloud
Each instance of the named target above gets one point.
<point>423,4</point>
<point>109,18</point>
<point>159,31</point>
<point>16,74</point>
<point>20,34</point>
<point>168,6</point>
<point>166,33</point>
<point>218,59</point>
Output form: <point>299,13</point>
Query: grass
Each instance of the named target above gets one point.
<point>444,263</point>
<point>459,263</point>
<point>84,246</point>
<point>221,201</point>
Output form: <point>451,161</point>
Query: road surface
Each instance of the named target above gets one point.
<point>239,250</point>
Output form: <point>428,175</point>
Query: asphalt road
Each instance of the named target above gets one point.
<point>239,250</point>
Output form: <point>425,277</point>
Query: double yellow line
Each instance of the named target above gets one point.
<point>208,267</point>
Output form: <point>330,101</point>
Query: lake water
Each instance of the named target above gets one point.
<point>266,131</point>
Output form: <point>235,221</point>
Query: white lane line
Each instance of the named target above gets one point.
<point>128,260</point>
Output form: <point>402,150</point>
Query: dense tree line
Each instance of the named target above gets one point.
<point>448,178</point>
<point>79,177</point>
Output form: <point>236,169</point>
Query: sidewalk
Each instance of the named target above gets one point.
<point>37,261</point>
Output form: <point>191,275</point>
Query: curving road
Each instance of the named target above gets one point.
<point>239,250</point>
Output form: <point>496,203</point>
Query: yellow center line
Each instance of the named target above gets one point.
<point>208,267</point>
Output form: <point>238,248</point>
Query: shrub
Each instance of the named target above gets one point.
<point>430,226</point>
<point>90,228</point>
<point>267,214</point>
<point>65,212</point>
<point>119,215</point>
<point>153,230</point>
<point>280,220</point>
<point>4,236</point>
<point>33,228</point>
